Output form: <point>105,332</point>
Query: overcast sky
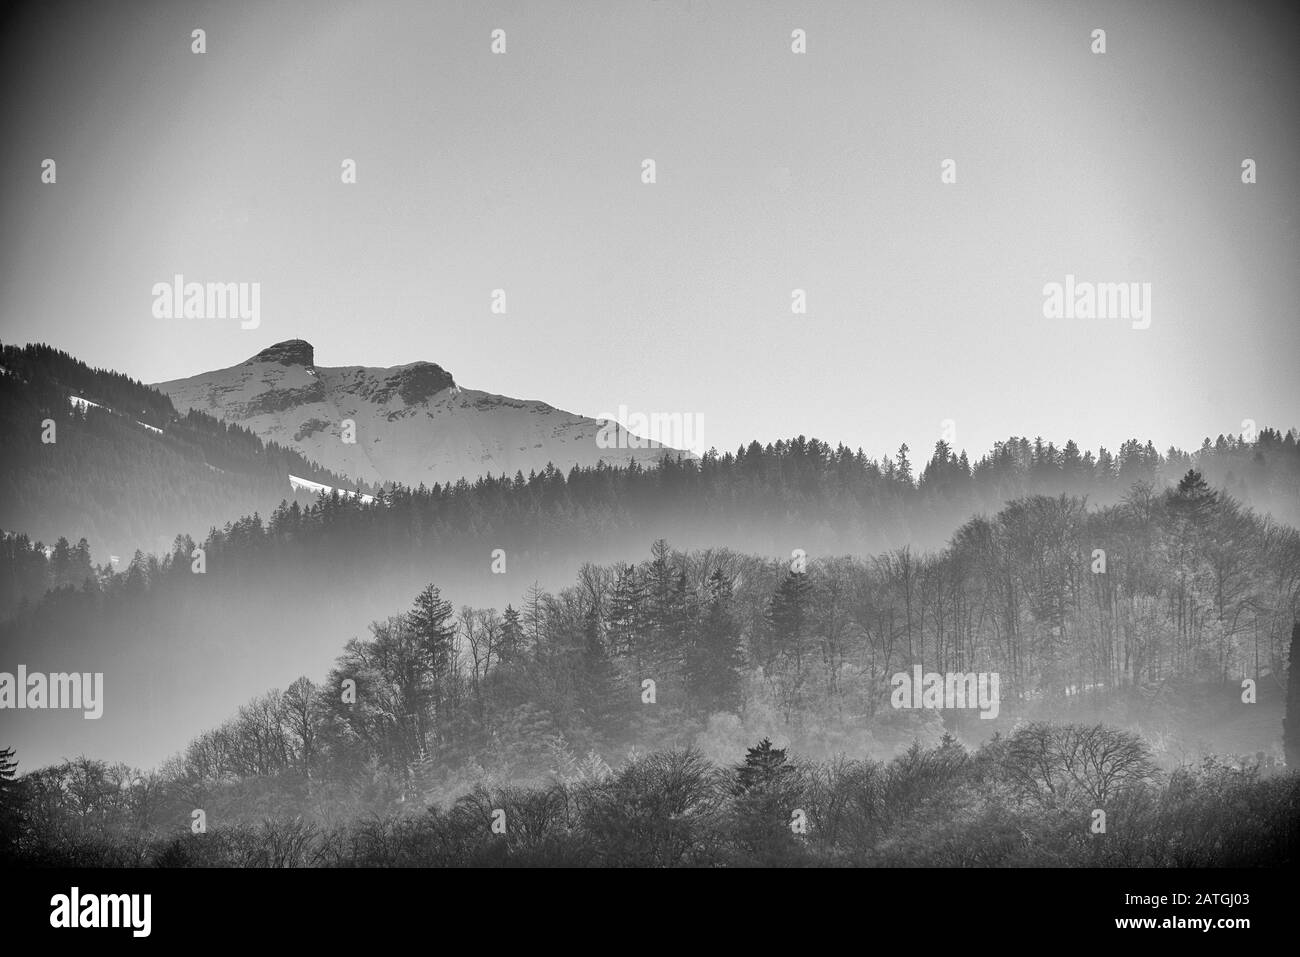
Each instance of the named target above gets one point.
<point>775,171</point>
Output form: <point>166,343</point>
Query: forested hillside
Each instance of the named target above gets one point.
<point>122,469</point>
<point>126,472</point>
<point>1193,593</point>
<point>797,493</point>
<point>1122,689</point>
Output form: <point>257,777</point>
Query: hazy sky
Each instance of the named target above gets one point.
<point>775,171</point>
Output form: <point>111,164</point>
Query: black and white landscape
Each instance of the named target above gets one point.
<point>655,433</point>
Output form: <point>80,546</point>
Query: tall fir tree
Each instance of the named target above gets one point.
<point>715,660</point>
<point>512,636</point>
<point>1291,722</point>
<point>11,816</point>
<point>600,685</point>
<point>788,613</point>
<point>434,632</point>
<point>627,615</point>
<point>764,766</point>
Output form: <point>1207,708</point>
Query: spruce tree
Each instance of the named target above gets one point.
<point>661,580</point>
<point>1291,722</point>
<point>764,767</point>
<point>1193,500</point>
<point>715,660</point>
<point>599,682</point>
<point>766,790</point>
<point>512,635</point>
<point>787,613</point>
<point>10,802</point>
<point>627,614</point>
<point>432,628</point>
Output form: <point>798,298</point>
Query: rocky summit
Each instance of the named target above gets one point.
<point>409,424</point>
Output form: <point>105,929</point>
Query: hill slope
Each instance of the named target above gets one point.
<point>125,470</point>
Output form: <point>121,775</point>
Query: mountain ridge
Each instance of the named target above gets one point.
<point>118,465</point>
<point>408,424</point>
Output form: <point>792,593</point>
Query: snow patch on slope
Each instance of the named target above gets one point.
<point>306,485</point>
<point>81,403</point>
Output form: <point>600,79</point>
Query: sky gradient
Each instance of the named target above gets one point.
<point>775,171</point>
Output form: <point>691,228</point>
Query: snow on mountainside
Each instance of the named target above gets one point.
<point>413,423</point>
<point>81,403</point>
<point>306,485</point>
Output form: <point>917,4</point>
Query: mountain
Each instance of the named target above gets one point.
<point>410,424</point>
<point>91,453</point>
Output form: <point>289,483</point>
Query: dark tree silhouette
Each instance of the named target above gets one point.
<point>11,817</point>
<point>764,765</point>
<point>1291,723</point>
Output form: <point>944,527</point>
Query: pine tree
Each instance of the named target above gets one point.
<point>766,791</point>
<point>599,683</point>
<point>432,628</point>
<point>1291,722</point>
<point>763,769</point>
<point>61,564</point>
<point>904,471</point>
<point>627,615</point>
<point>1193,500</point>
<point>137,574</point>
<point>674,633</point>
<point>10,802</point>
<point>715,661</point>
<point>512,635</point>
<point>787,613</point>
<point>660,580</point>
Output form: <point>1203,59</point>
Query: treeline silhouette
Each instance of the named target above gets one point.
<point>767,499</point>
<point>1030,799</point>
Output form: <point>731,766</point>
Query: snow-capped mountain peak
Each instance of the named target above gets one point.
<point>411,423</point>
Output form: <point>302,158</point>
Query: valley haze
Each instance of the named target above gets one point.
<point>920,538</point>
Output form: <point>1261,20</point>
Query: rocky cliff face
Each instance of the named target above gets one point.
<point>409,424</point>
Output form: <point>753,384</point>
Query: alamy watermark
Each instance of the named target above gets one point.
<point>58,691</point>
<point>947,691</point>
<point>75,909</point>
<point>1098,300</point>
<point>638,430</point>
<point>179,299</point>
